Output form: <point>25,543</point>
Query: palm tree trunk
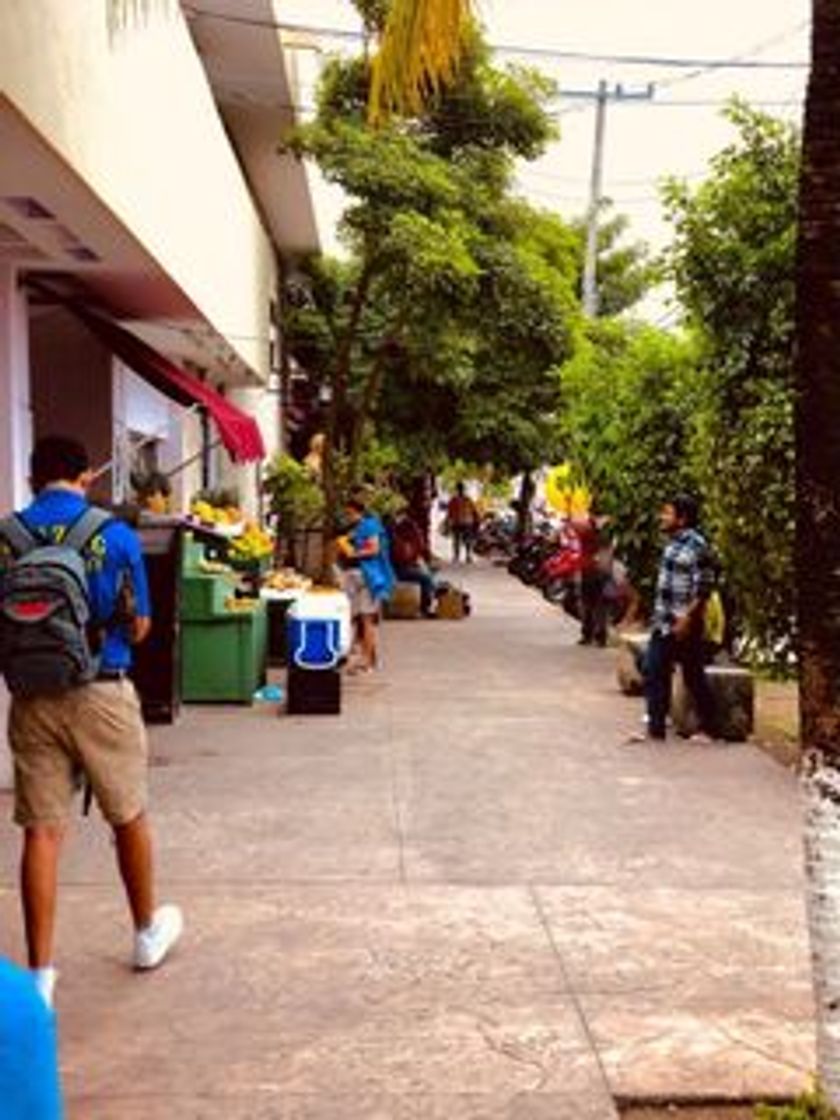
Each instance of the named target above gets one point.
<point>818,523</point>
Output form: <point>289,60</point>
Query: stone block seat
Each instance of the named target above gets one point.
<point>404,602</point>
<point>733,688</point>
<point>632,646</point>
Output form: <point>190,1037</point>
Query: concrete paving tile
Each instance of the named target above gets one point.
<point>226,1046</point>
<point>327,1106</point>
<point>720,946</point>
<point>357,990</point>
<point>564,853</point>
<point>666,1048</point>
<point>363,939</point>
<point>361,948</point>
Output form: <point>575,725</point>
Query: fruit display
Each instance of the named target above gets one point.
<point>241,605</point>
<point>287,579</point>
<point>253,543</point>
<point>228,520</point>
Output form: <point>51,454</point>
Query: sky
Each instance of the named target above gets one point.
<point>674,132</point>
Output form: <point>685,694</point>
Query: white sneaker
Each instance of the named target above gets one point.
<point>152,944</point>
<point>44,979</point>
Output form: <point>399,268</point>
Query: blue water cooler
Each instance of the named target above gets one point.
<point>318,635</point>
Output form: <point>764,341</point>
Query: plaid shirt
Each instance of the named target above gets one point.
<point>685,574</point>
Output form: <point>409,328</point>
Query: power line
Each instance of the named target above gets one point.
<point>712,102</point>
<point>743,62</point>
<point>581,179</point>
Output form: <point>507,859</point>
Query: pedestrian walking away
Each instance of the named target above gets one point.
<point>73,601</point>
<point>684,584</point>
<point>462,519</point>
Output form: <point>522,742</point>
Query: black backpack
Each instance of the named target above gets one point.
<point>45,612</point>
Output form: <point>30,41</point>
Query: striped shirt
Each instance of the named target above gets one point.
<point>685,574</point>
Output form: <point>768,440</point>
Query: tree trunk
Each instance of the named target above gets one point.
<point>818,523</point>
<point>337,410</point>
<point>523,506</point>
<point>364,411</point>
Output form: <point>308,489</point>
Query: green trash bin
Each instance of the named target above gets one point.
<point>224,656</point>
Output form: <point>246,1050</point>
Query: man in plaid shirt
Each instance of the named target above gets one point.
<point>686,580</point>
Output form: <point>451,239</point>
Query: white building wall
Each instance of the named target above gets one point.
<point>133,116</point>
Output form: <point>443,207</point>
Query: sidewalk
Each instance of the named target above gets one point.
<point>464,899</point>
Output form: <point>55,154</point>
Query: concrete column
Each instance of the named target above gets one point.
<point>15,433</point>
<point>15,408</point>
<point>265,408</point>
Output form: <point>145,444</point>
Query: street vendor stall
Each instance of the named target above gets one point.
<point>224,635</point>
<point>233,605</point>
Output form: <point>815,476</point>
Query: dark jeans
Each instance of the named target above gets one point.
<point>423,578</point>
<point>463,537</point>
<point>593,608</point>
<point>663,654</point>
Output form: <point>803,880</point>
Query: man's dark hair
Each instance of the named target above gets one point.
<point>153,483</point>
<point>687,509</point>
<point>356,504</point>
<point>57,459</point>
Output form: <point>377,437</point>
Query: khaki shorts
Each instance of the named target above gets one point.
<point>97,728</point>
<point>361,600</point>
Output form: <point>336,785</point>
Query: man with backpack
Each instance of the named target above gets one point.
<point>73,601</point>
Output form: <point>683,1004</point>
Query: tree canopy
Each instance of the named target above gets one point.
<point>733,264</point>
<point>456,303</point>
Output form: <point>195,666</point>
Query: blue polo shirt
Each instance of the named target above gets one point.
<point>113,553</point>
<point>29,1084</point>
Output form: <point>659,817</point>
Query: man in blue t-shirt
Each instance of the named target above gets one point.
<point>95,727</point>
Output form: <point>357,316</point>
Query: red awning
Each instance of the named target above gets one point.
<point>239,432</point>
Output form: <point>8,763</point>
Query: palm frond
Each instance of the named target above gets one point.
<point>123,13</point>
<point>420,50</point>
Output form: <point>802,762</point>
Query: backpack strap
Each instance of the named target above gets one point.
<point>86,526</point>
<point>17,534</point>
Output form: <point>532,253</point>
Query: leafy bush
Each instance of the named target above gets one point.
<point>295,498</point>
<point>627,399</point>
<point>733,265</point>
<point>811,1105</point>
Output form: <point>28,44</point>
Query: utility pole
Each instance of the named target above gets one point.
<point>590,264</point>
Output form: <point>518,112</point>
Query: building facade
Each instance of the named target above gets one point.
<point>141,177</point>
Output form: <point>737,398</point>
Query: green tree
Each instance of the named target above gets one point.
<point>625,272</point>
<point>457,300</point>
<point>732,261</point>
<point>500,406</point>
<point>627,407</point>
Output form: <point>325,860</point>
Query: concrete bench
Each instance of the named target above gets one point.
<point>734,691</point>
<point>404,602</point>
<point>733,688</point>
<point>632,646</point>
